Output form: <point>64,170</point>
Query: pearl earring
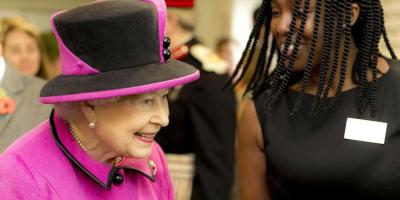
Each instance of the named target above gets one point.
<point>92,124</point>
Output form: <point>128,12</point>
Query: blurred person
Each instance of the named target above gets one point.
<point>325,124</point>
<point>23,48</point>
<point>99,140</point>
<point>20,109</point>
<point>228,49</point>
<point>202,118</point>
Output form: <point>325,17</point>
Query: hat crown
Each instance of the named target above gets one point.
<point>108,35</point>
<point>113,48</point>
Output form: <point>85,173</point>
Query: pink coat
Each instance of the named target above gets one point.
<point>44,165</point>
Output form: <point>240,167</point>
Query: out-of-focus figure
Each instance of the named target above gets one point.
<point>20,109</point>
<point>22,47</point>
<point>202,117</point>
<point>229,50</point>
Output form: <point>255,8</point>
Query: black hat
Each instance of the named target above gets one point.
<point>113,48</point>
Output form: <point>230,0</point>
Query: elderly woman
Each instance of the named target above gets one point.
<point>110,102</point>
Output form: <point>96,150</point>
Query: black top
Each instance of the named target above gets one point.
<point>308,157</point>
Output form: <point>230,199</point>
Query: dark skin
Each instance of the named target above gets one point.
<point>253,183</point>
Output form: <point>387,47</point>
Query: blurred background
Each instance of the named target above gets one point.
<point>215,18</point>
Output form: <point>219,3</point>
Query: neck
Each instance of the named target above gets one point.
<point>348,82</point>
<point>90,142</point>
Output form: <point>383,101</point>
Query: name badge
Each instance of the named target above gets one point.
<point>365,130</point>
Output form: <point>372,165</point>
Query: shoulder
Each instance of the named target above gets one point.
<point>30,92</point>
<point>395,68</point>
<point>260,102</point>
<point>24,164</point>
<point>392,77</point>
<point>249,129</point>
<point>19,179</point>
<point>35,84</point>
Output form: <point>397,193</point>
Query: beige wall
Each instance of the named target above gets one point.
<point>36,11</point>
<point>216,18</point>
<point>392,20</point>
<point>213,20</point>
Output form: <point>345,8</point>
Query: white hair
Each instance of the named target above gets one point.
<point>69,111</point>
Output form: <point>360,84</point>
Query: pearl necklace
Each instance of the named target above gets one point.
<point>77,138</point>
<point>117,160</point>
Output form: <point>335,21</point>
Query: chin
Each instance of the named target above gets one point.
<point>140,153</point>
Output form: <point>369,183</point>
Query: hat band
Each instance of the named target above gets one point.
<point>120,92</point>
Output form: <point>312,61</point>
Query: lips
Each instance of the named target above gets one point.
<point>290,50</point>
<point>145,137</point>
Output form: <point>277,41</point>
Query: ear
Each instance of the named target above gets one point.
<point>355,13</point>
<point>88,111</point>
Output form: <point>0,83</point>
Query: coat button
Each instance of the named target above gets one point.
<point>166,42</point>
<point>166,54</point>
<point>118,179</point>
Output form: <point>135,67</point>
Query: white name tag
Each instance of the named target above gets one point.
<point>365,130</point>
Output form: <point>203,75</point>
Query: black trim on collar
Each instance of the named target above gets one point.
<point>76,162</point>
<point>144,174</point>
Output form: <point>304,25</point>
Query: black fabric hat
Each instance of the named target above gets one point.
<point>113,48</point>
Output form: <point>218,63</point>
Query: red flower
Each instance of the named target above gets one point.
<point>7,106</point>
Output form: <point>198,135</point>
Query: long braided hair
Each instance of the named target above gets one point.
<point>338,32</point>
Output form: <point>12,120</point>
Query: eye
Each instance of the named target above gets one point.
<point>275,13</point>
<point>147,101</point>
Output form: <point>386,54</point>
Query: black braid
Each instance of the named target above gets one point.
<point>260,69</point>
<point>346,49</point>
<point>281,59</point>
<point>365,59</point>
<point>251,44</point>
<point>263,82</point>
<point>293,56</point>
<point>377,21</point>
<point>342,33</point>
<point>326,51</point>
<point>385,36</point>
<point>335,63</point>
<point>279,88</point>
<point>310,59</point>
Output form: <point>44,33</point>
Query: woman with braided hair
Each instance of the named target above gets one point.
<point>326,119</point>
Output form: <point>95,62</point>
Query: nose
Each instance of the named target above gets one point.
<point>161,115</point>
<point>283,25</point>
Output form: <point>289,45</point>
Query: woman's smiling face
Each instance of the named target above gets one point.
<point>128,126</point>
<point>282,11</point>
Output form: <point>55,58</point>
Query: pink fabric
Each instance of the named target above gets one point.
<point>34,167</point>
<point>70,63</point>
<point>162,16</point>
<point>120,92</point>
